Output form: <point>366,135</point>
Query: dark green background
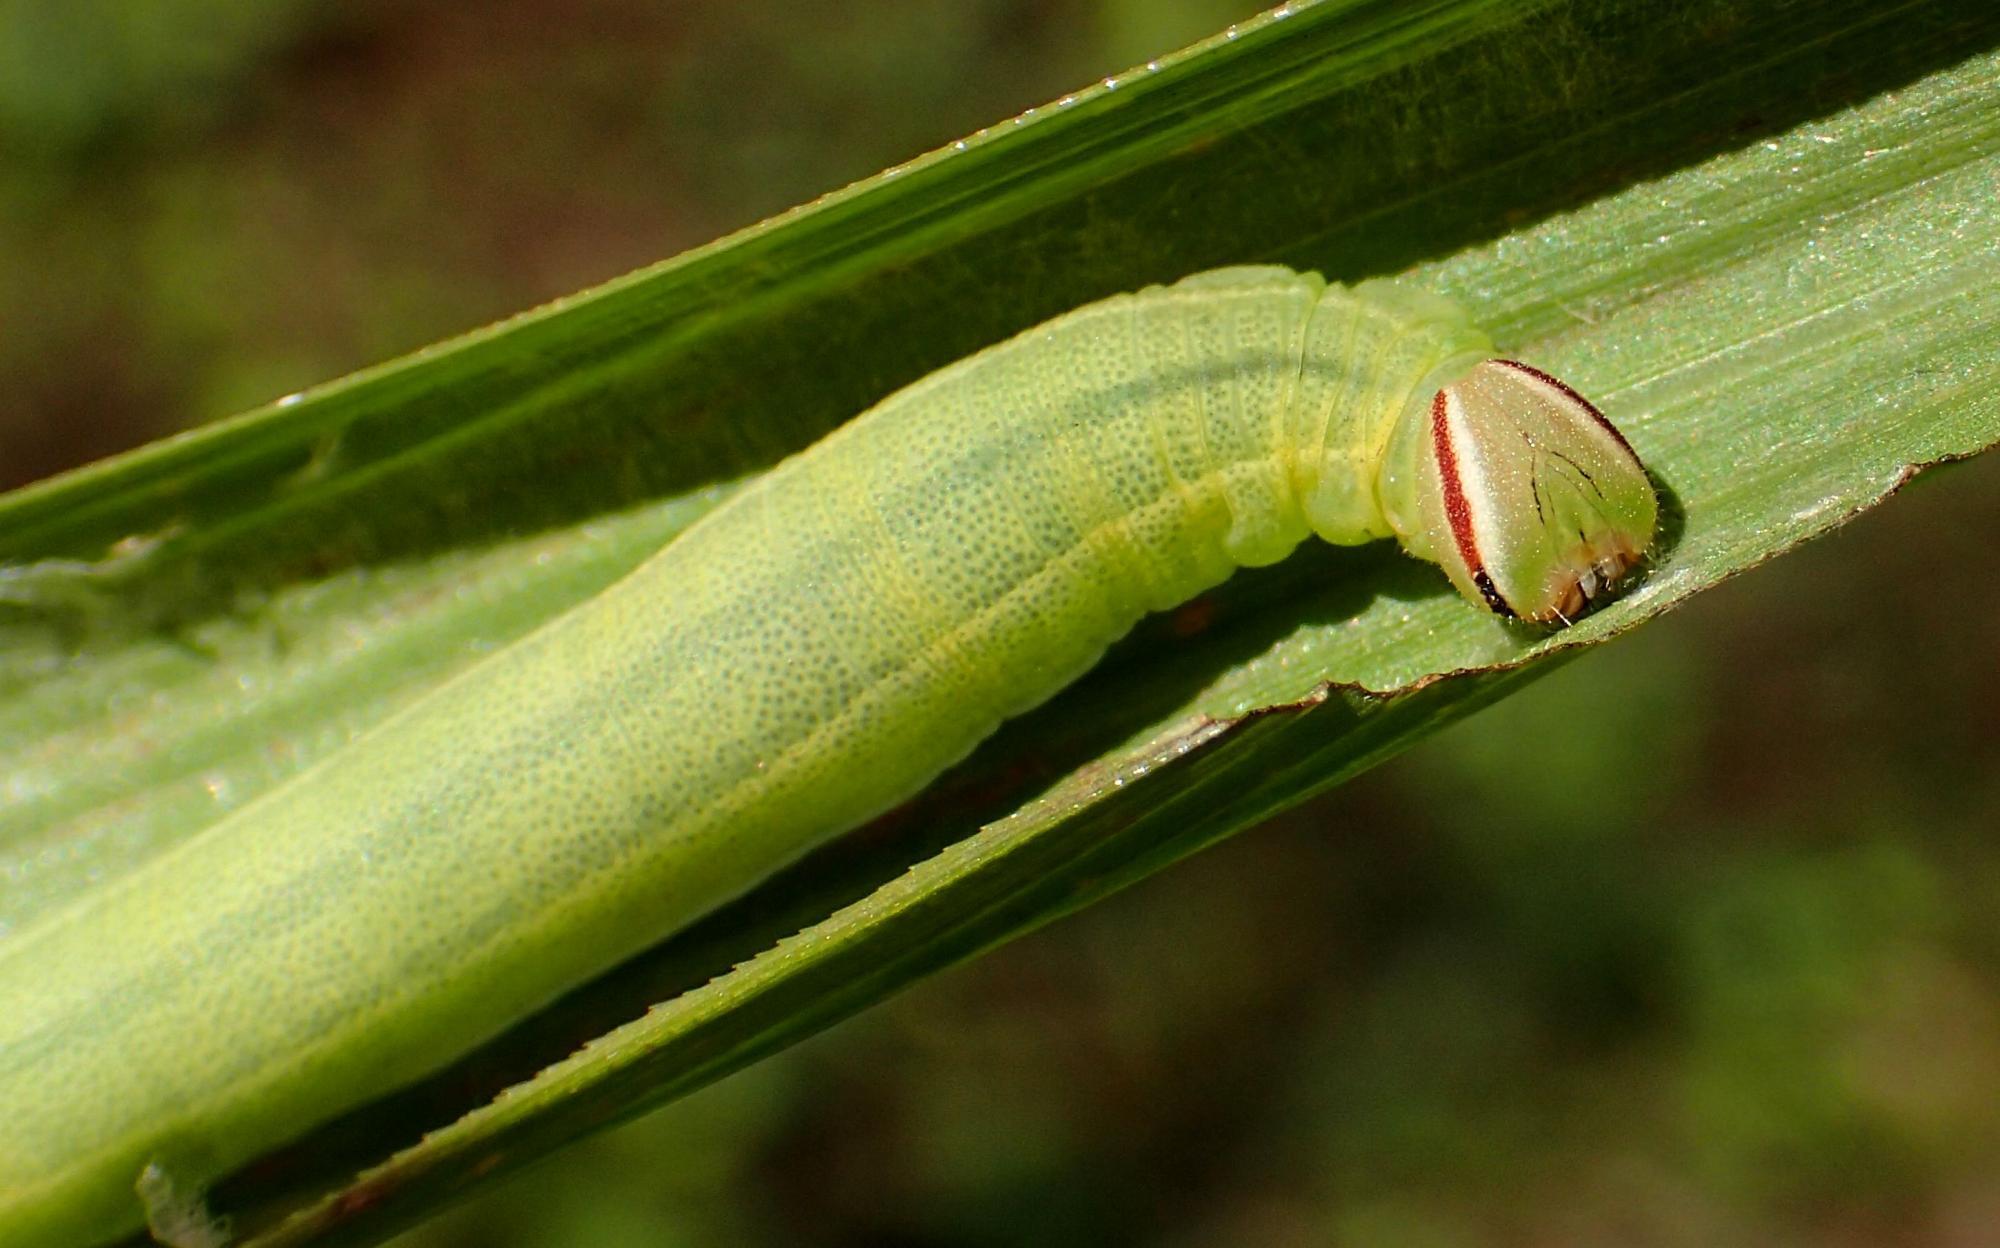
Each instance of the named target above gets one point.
<point>1691,943</point>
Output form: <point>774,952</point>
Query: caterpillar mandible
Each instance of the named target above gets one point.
<point>811,653</point>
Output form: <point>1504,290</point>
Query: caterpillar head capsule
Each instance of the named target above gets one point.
<point>1529,499</point>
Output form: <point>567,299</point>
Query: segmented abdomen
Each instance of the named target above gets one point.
<point>812,652</point>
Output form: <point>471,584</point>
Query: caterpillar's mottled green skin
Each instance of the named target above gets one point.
<point>808,655</point>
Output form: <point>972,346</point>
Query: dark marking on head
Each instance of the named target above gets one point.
<point>1581,471</point>
<point>1492,595</point>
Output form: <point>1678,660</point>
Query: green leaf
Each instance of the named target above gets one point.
<point>1763,237</point>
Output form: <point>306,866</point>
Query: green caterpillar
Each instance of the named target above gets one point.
<point>810,654</point>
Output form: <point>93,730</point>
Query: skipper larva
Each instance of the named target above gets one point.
<point>808,655</point>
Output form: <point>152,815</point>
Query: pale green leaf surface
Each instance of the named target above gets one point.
<point>1762,237</point>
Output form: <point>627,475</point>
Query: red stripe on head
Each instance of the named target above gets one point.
<point>1456,509</point>
<point>1575,398</point>
<point>1457,512</point>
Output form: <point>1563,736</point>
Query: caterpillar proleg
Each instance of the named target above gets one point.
<point>808,655</point>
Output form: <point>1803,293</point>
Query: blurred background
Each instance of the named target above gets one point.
<point>1693,943</point>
